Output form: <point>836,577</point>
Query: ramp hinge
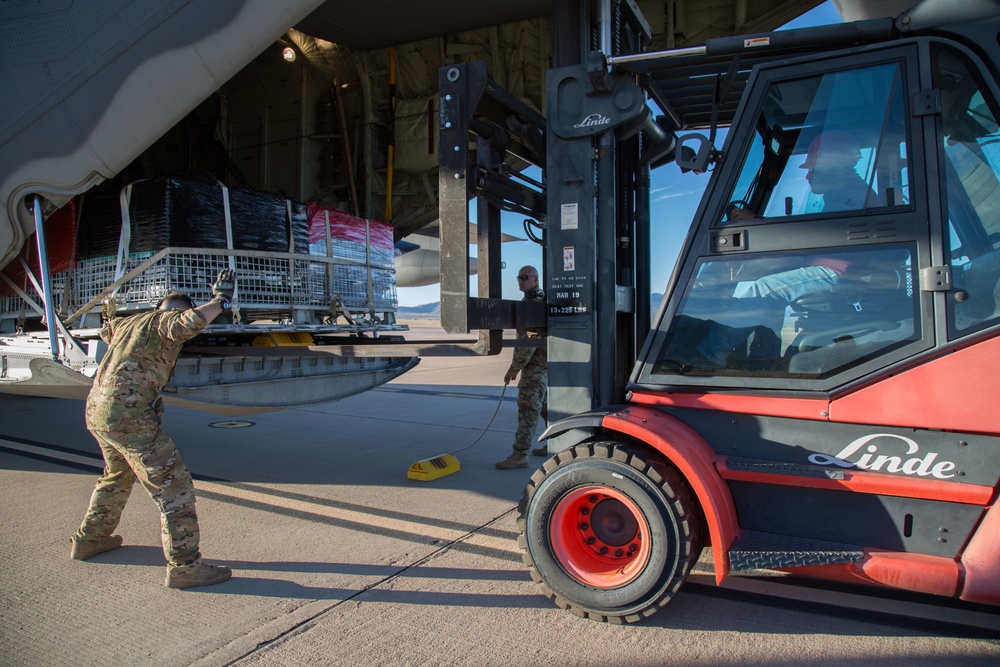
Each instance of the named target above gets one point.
<point>935,279</point>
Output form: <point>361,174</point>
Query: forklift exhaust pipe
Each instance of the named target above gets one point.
<point>661,142</point>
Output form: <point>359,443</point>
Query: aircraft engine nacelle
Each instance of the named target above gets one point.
<point>423,267</point>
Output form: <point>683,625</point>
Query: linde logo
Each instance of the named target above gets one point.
<point>593,120</point>
<point>885,456</point>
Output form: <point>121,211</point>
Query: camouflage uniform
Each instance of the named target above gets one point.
<point>124,413</point>
<point>532,385</point>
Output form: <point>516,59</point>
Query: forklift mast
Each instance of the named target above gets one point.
<point>598,141</point>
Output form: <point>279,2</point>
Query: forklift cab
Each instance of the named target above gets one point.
<point>819,246</point>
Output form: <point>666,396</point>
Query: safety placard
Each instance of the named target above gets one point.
<point>569,216</point>
<point>569,259</point>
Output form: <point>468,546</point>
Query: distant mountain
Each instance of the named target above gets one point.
<point>425,311</point>
<point>654,301</point>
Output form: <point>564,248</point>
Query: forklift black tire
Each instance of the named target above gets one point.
<point>607,535</point>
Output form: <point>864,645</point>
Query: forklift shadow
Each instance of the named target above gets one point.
<point>241,584</point>
<point>149,555</point>
<point>278,588</point>
<point>796,605</point>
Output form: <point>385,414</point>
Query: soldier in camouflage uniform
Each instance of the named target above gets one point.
<point>124,413</point>
<point>532,364</point>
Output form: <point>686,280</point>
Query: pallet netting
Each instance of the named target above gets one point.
<point>268,286</point>
<point>13,306</point>
<point>289,257</point>
<point>91,277</point>
<point>174,211</point>
<point>369,283</point>
<point>356,252</point>
<point>351,284</point>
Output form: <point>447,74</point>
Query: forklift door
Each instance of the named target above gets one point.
<point>803,270</point>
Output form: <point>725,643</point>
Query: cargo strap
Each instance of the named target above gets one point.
<point>125,238</point>
<point>229,245</point>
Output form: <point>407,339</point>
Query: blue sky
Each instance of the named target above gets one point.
<point>674,200</point>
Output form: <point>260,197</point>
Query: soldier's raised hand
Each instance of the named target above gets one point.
<point>225,285</point>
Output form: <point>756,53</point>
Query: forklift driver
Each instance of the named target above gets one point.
<point>832,162</point>
<point>831,171</point>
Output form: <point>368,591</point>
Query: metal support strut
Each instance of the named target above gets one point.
<point>43,266</point>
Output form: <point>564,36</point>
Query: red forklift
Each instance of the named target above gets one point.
<point>817,393</point>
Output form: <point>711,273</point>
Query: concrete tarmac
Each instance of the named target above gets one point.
<point>339,559</point>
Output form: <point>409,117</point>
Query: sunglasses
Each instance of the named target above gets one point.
<point>523,277</point>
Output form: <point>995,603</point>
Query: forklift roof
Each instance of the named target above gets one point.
<point>702,86</point>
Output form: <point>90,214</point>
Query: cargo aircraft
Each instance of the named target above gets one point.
<point>300,136</point>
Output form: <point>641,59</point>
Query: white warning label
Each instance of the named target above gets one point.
<point>569,216</point>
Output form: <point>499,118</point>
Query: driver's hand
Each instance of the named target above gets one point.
<point>737,214</point>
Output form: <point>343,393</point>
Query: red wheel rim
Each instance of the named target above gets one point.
<point>600,537</point>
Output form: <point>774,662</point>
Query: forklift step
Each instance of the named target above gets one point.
<point>757,550</point>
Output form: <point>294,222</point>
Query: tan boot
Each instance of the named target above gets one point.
<point>201,574</point>
<point>85,550</point>
<point>513,462</point>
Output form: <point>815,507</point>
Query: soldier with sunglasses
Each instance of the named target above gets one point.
<point>532,364</point>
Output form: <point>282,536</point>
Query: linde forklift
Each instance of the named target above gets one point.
<point>817,393</point>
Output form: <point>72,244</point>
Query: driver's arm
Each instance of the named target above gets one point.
<point>737,214</point>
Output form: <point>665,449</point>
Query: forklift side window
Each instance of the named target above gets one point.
<point>832,142</point>
<point>972,172</point>
<point>792,316</point>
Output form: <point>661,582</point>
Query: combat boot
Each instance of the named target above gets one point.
<point>201,574</point>
<point>513,462</point>
<point>85,550</point>
<point>541,451</point>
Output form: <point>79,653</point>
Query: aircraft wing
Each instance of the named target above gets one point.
<point>134,91</point>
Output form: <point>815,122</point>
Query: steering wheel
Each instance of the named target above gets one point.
<point>738,204</point>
